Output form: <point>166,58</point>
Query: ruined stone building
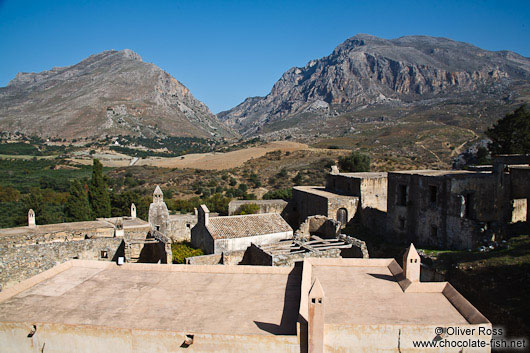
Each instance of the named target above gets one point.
<point>320,305</point>
<point>232,233</point>
<point>458,209</point>
<point>345,196</point>
<point>433,208</point>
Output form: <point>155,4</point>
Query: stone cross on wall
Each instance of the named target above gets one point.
<point>31,218</point>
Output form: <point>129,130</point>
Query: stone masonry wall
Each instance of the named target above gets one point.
<point>22,262</point>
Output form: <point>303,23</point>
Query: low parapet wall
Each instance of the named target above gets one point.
<point>22,262</point>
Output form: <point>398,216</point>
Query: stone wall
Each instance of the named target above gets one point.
<point>308,204</point>
<point>441,210</point>
<point>236,244</point>
<point>21,262</point>
<point>265,206</point>
<point>21,236</point>
<point>320,225</point>
<point>179,227</point>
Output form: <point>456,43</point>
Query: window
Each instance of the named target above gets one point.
<point>402,223</point>
<point>433,191</point>
<point>434,231</point>
<point>468,205</point>
<point>402,195</point>
<point>342,216</point>
<point>104,254</point>
<point>188,225</point>
<point>157,227</point>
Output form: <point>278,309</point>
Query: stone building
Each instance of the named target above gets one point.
<point>458,209</point>
<point>321,305</point>
<point>215,235</point>
<point>346,196</point>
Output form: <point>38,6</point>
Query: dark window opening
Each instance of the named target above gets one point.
<point>188,225</point>
<point>104,254</point>
<point>434,231</point>
<point>433,191</point>
<point>157,228</point>
<point>402,223</point>
<point>468,201</point>
<point>342,216</point>
<point>402,195</point>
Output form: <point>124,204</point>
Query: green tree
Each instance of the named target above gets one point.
<point>285,194</point>
<point>511,134</point>
<point>77,207</point>
<point>355,162</point>
<point>98,193</point>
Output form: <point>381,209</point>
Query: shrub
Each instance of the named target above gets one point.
<point>180,251</point>
<point>355,162</point>
<point>284,194</point>
<point>249,208</point>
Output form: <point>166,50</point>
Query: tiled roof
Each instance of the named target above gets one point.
<point>247,225</point>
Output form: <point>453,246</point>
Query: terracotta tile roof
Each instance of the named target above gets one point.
<point>247,225</point>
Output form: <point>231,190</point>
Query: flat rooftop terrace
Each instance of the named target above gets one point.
<point>365,175</point>
<point>430,172</point>
<point>370,292</point>
<point>375,297</point>
<point>242,300</point>
<point>321,191</point>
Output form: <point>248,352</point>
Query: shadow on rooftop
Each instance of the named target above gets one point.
<point>291,304</point>
<point>383,276</point>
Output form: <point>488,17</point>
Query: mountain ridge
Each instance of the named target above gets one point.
<point>109,93</point>
<point>365,71</point>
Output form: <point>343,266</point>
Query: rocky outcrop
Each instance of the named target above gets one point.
<point>110,93</point>
<point>366,70</point>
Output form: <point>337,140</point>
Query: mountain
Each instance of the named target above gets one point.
<point>367,79</point>
<point>110,93</point>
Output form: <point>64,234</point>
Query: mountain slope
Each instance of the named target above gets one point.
<point>110,93</point>
<point>366,75</point>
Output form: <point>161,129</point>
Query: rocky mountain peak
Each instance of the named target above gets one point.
<point>110,93</point>
<point>366,70</point>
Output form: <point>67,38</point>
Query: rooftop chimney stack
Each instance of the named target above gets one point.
<point>204,215</point>
<point>133,210</point>
<point>316,318</point>
<point>412,264</point>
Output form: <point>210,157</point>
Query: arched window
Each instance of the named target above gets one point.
<point>342,216</point>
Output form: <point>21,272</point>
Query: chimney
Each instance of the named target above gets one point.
<point>411,264</point>
<point>133,211</point>
<point>316,318</point>
<point>31,218</point>
<point>203,215</point>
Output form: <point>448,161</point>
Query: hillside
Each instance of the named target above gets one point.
<point>370,85</point>
<point>110,93</point>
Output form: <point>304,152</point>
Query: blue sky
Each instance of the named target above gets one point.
<point>225,51</point>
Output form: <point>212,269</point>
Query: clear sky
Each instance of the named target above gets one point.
<point>225,51</point>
